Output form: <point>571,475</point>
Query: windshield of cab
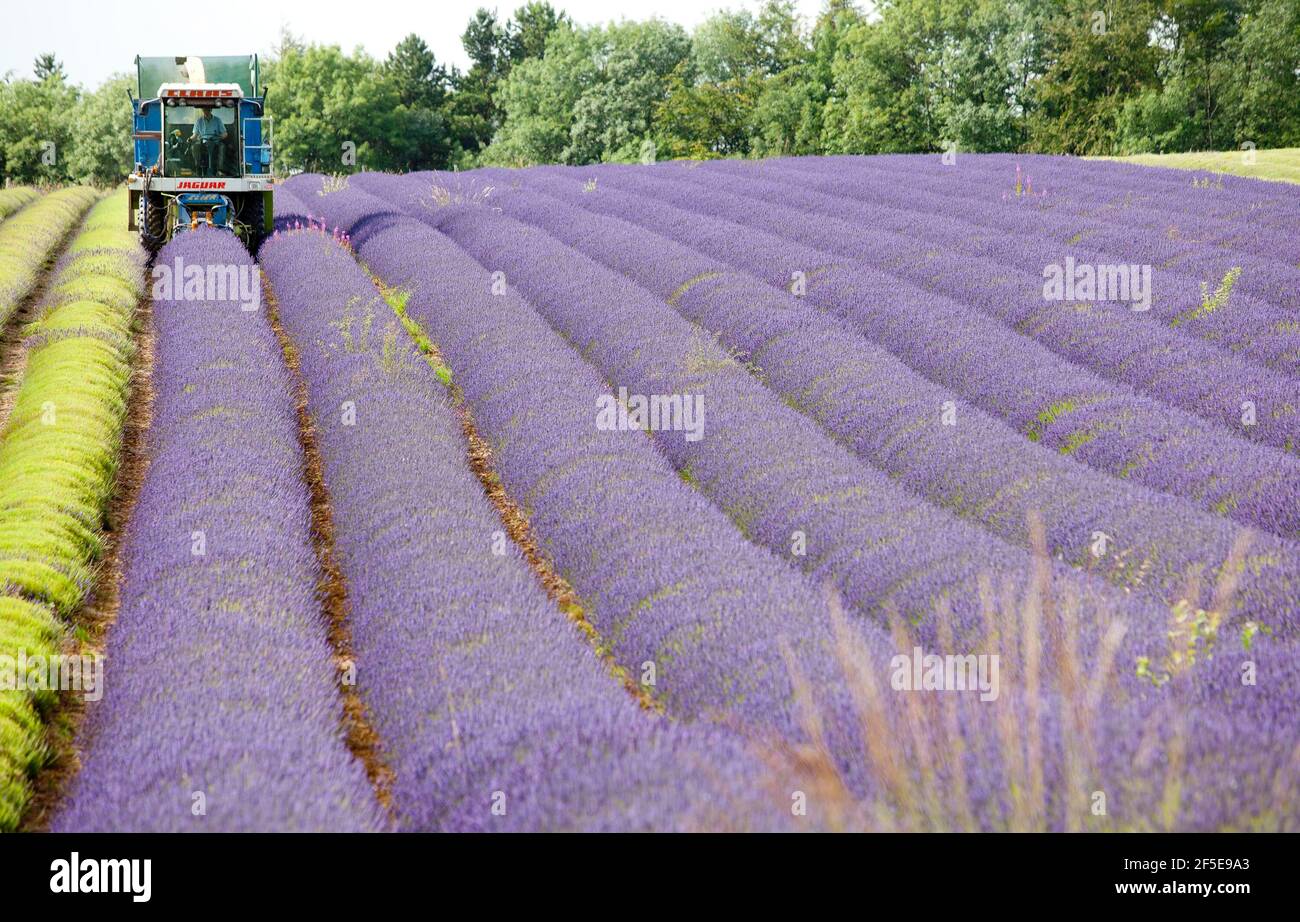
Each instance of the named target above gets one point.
<point>195,145</point>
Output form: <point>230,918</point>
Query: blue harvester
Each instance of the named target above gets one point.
<point>202,149</point>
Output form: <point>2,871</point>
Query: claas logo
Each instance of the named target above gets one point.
<point>199,94</point>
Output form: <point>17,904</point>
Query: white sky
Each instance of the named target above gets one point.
<point>95,38</point>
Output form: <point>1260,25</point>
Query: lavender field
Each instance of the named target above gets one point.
<point>826,493</point>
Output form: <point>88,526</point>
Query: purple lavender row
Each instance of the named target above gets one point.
<point>482,693</point>
<point>1216,724</point>
<point>1251,402</point>
<point>772,469</point>
<point>671,585</point>
<point>1247,324</point>
<point>220,711</point>
<point>1105,425</point>
<point>893,418</point>
<point>1256,323</point>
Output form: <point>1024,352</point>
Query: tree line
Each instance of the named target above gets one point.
<point>1053,76</point>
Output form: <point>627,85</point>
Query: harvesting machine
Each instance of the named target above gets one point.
<point>202,149</point>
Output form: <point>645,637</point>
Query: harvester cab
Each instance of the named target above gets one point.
<point>202,149</point>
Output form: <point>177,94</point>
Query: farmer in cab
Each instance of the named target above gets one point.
<point>209,134</point>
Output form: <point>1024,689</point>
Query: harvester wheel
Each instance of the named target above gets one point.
<point>152,221</point>
<point>253,216</point>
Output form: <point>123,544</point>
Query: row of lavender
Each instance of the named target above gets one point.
<point>1183,225</point>
<point>683,601</point>
<point>534,398</point>
<point>893,418</point>
<point>1239,342</point>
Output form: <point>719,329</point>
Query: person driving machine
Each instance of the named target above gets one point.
<point>208,139</point>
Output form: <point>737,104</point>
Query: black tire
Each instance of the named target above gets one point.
<point>252,214</point>
<point>152,221</point>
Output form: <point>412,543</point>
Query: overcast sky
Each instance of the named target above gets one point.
<point>94,38</point>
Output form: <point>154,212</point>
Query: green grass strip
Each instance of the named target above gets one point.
<point>1279,164</point>
<point>59,453</point>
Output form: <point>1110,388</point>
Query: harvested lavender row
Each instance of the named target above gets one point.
<point>672,587</point>
<point>470,674</point>
<point>220,710</point>
<point>767,466</point>
<point>894,419</point>
<point>1156,361</point>
<point>1212,305</point>
<point>1103,424</point>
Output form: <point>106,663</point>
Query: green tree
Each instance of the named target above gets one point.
<point>486,42</point>
<point>494,49</point>
<point>528,30</point>
<point>882,75</point>
<point>703,120</point>
<point>718,105</point>
<point>1264,79</point>
<point>421,84</point>
<point>36,129</point>
<point>612,119</point>
<point>591,96</point>
<point>929,74</point>
<point>789,112</point>
<point>48,67</point>
<point>1101,56</point>
<point>538,100</point>
<point>988,68</point>
<point>102,150</point>
<point>1202,31</point>
<point>420,81</point>
<point>331,108</point>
